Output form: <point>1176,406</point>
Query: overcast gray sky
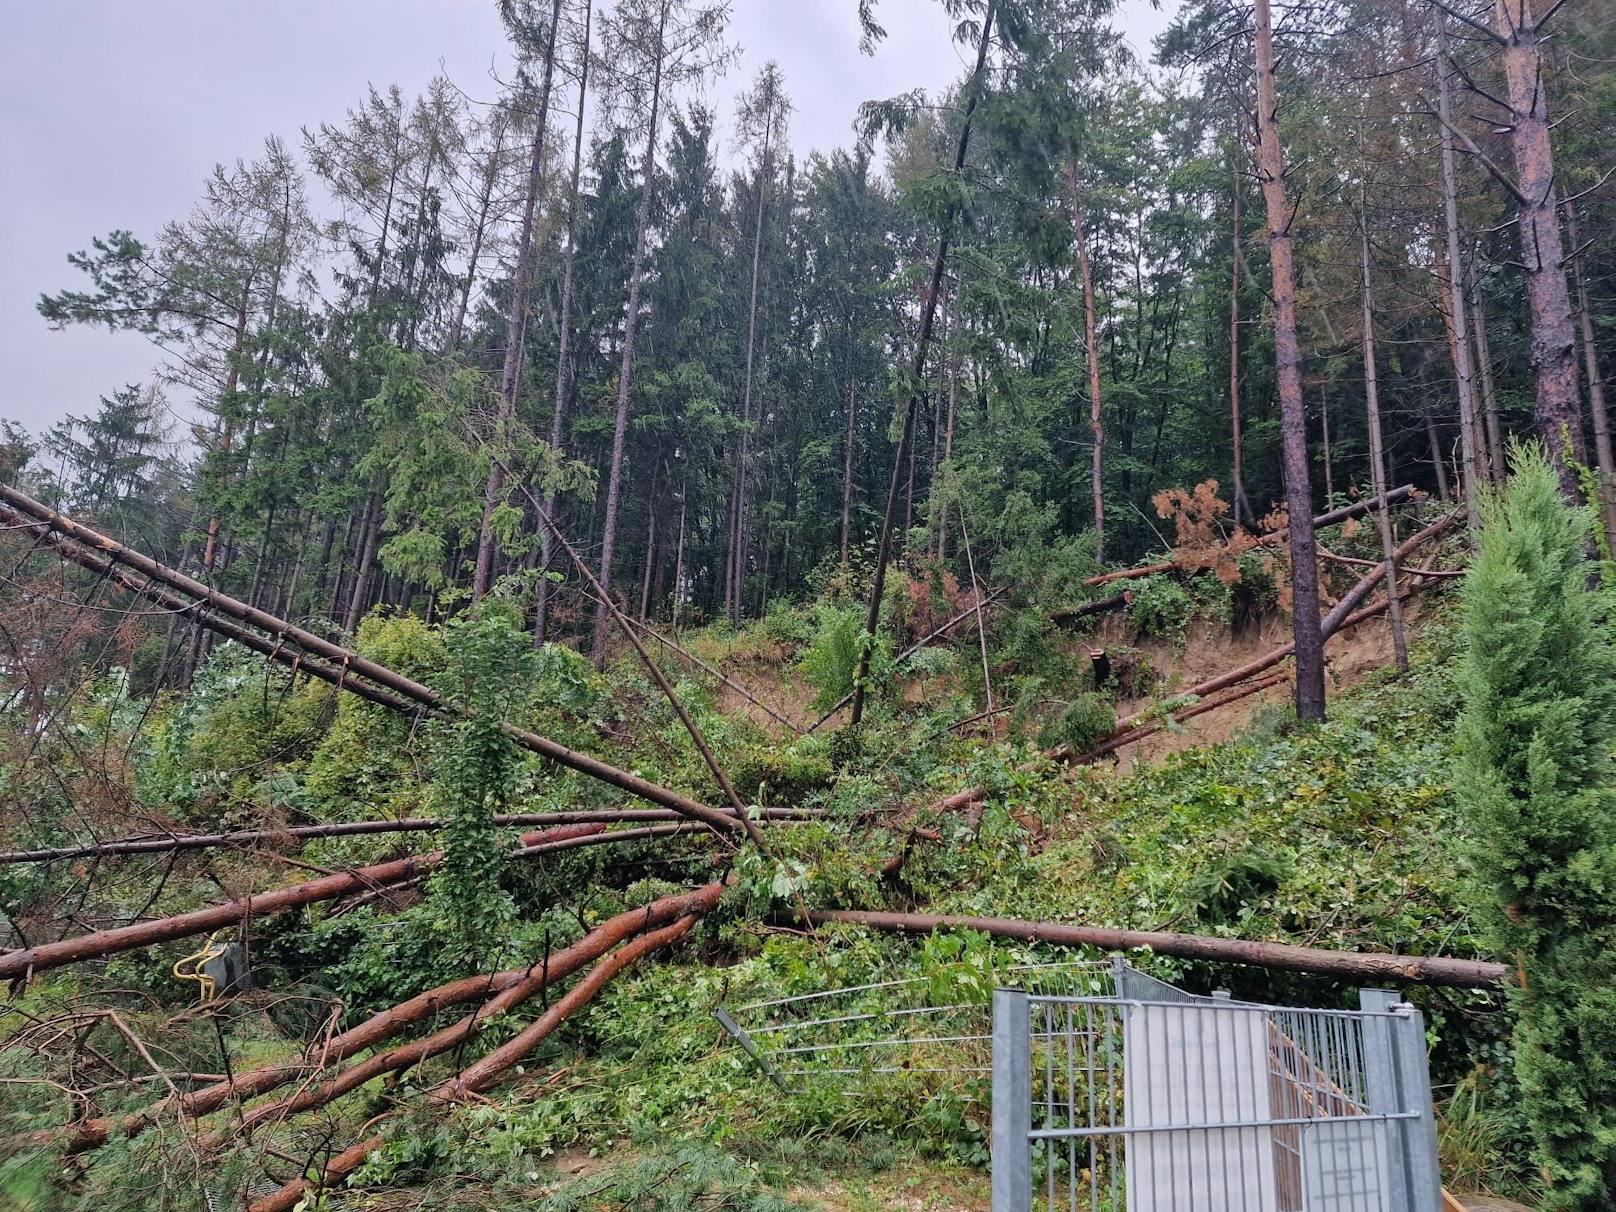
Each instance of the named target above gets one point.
<point>112,113</point>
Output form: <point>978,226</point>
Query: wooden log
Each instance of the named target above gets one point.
<point>489,1069</point>
<point>1355,510</point>
<point>27,960</point>
<point>290,643</point>
<point>1071,614</point>
<point>300,833</point>
<point>1343,965</point>
<point>714,671</point>
<point>379,1027</point>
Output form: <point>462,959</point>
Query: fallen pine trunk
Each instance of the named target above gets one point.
<point>27,960</point>
<point>1355,510</point>
<point>1346,965</point>
<point>100,554</point>
<point>299,833</point>
<point>506,989</point>
<point>485,1072</point>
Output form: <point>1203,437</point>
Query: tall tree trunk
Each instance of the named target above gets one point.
<point>928,314</point>
<point>1091,349</point>
<point>369,529</point>
<point>1559,403</point>
<point>516,325</point>
<point>847,442</point>
<point>1596,385</point>
<point>738,547</point>
<point>1288,368</point>
<point>1489,388</point>
<point>1439,465</point>
<point>1239,494</point>
<point>1453,288</point>
<point>558,419</point>
<point>642,223</point>
<point>948,443</point>
<point>1377,447</point>
<point>679,558</point>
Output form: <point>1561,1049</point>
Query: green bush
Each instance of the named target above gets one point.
<point>1538,682</point>
<point>1160,607</point>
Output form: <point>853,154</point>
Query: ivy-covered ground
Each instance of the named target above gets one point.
<point>1344,835</point>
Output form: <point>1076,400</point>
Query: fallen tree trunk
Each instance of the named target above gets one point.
<point>507,989</point>
<point>1346,965</point>
<point>27,960</point>
<point>1070,615</point>
<point>487,1071</point>
<point>1355,510</point>
<point>100,554</point>
<point>300,833</point>
<point>1136,729</point>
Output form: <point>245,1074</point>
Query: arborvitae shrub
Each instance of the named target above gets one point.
<point>1538,685</point>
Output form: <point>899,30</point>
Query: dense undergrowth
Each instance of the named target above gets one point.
<point>1343,835</point>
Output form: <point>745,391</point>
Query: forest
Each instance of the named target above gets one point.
<point>579,575</point>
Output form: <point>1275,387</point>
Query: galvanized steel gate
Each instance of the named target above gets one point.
<point>1155,1100</point>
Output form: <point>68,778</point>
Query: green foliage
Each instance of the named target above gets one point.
<point>1160,607</point>
<point>830,661</point>
<point>1539,722</point>
<point>491,667</point>
<point>1084,722</point>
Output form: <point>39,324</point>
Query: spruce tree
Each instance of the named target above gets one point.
<point>1535,778</point>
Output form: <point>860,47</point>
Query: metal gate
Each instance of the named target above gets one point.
<point>1155,1100</point>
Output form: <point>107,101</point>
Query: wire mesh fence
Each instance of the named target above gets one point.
<point>938,1027</point>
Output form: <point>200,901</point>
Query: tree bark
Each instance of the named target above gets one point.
<point>516,325</point>
<point>1240,503</point>
<point>485,199</point>
<point>1559,404</point>
<point>29,960</point>
<point>1344,965</point>
<point>642,224</point>
<point>1288,360</point>
<point>1453,288</point>
<point>1377,447</point>
<point>1489,387</point>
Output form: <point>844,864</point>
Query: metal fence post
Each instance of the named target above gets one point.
<point>1381,1086</point>
<point>1012,1102</point>
<point>1414,1078</point>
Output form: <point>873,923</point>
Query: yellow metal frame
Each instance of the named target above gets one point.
<point>189,968</point>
